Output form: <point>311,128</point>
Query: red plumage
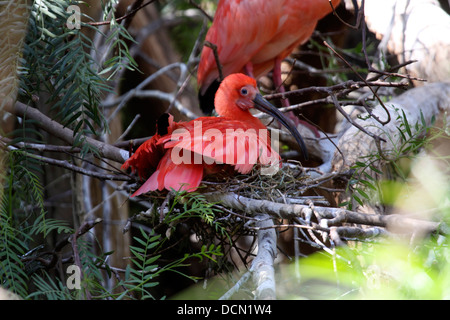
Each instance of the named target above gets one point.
<point>256,35</point>
<point>180,158</point>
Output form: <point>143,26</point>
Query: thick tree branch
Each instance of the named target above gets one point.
<point>331,216</point>
<point>262,266</point>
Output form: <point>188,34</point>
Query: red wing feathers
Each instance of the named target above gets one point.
<point>221,141</point>
<point>171,176</point>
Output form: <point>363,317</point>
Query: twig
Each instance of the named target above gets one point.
<point>129,14</point>
<point>131,143</point>
<point>201,10</point>
<point>216,57</point>
<point>348,86</point>
<point>137,5</point>
<point>128,129</point>
<point>365,82</point>
<point>192,60</point>
<point>336,233</point>
<point>359,17</point>
<point>54,128</point>
<point>67,165</point>
<point>40,146</point>
<point>140,92</point>
<point>85,227</point>
<point>350,120</point>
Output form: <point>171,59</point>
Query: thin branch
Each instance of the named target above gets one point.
<point>40,146</point>
<point>54,128</point>
<point>85,227</point>
<point>67,165</point>
<point>349,86</point>
<point>129,14</point>
<point>216,57</point>
<point>201,10</point>
<point>349,119</point>
<point>128,129</point>
<point>359,17</point>
<point>365,82</point>
<point>140,92</point>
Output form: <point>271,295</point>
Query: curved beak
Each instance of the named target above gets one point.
<point>265,106</point>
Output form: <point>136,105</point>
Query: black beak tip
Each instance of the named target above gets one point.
<point>266,107</point>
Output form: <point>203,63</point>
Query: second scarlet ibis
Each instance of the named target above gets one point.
<point>253,37</point>
<point>181,153</point>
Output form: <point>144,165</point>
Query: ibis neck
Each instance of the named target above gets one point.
<point>235,113</point>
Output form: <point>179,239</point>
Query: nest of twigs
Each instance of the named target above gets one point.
<point>183,217</point>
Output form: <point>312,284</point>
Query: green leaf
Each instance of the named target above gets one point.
<point>407,127</point>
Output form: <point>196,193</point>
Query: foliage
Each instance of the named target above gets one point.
<point>398,267</point>
<point>67,74</point>
<point>181,212</point>
<point>141,279</point>
<point>22,216</point>
<point>385,270</point>
<point>195,205</point>
<point>60,63</point>
<point>59,70</point>
<point>136,281</point>
<point>368,173</point>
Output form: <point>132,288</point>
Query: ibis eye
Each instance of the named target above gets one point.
<point>244,91</point>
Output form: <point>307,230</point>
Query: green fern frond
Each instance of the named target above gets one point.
<point>50,289</point>
<point>22,216</point>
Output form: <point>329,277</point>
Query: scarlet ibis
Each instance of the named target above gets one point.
<point>180,153</point>
<point>253,37</point>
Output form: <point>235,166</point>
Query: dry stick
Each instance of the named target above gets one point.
<point>394,74</point>
<point>127,15</point>
<point>349,119</point>
<point>359,17</point>
<point>201,10</point>
<point>128,129</point>
<point>365,81</point>
<point>85,227</point>
<point>184,73</point>
<point>140,92</point>
<point>40,146</point>
<point>346,86</point>
<point>366,56</point>
<point>336,233</point>
<point>56,129</point>
<point>216,57</point>
<point>104,150</point>
<point>131,143</point>
<point>67,165</point>
<point>137,5</point>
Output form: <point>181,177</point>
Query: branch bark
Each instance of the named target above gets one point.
<point>54,128</point>
<point>329,215</point>
<point>262,266</point>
